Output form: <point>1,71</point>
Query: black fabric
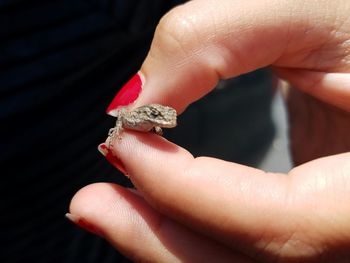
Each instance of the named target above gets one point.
<point>61,62</point>
<point>232,123</point>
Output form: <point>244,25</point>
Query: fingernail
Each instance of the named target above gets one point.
<point>81,222</point>
<point>112,159</point>
<point>128,94</point>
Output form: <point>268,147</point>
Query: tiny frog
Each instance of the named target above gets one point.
<point>151,117</point>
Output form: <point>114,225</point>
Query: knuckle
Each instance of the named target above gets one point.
<point>176,32</point>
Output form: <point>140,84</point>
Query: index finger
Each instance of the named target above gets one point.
<point>232,202</point>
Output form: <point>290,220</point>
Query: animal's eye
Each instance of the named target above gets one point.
<point>154,113</point>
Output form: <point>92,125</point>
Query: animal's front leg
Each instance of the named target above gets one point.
<point>115,132</point>
<point>158,130</point>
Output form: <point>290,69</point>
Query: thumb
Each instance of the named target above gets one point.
<point>200,42</point>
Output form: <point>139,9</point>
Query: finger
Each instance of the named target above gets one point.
<point>324,127</point>
<point>200,42</point>
<point>321,193</point>
<point>233,203</point>
<point>332,88</point>
<point>260,214</point>
<point>140,232</point>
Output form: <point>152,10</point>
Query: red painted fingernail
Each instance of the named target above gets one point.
<point>81,222</point>
<point>128,94</point>
<point>112,159</point>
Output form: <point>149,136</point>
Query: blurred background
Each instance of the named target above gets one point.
<point>277,158</point>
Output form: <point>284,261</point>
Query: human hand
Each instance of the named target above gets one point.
<point>208,210</point>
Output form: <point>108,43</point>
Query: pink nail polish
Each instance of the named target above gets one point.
<point>81,222</point>
<point>112,159</point>
<point>128,94</point>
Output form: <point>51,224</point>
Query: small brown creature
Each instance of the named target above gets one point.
<point>151,117</point>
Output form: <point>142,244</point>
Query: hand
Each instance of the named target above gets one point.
<point>208,210</point>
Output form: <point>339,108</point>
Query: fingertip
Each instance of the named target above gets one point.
<point>123,218</point>
<point>87,199</point>
<point>147,154</point>
<point>127,95</point>
<point>107,208</point>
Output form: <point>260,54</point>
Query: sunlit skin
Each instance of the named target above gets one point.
<point>204,209</point>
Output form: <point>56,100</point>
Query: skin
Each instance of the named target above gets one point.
<point>204,209</point>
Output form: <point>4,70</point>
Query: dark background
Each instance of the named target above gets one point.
<point>61,63</point>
